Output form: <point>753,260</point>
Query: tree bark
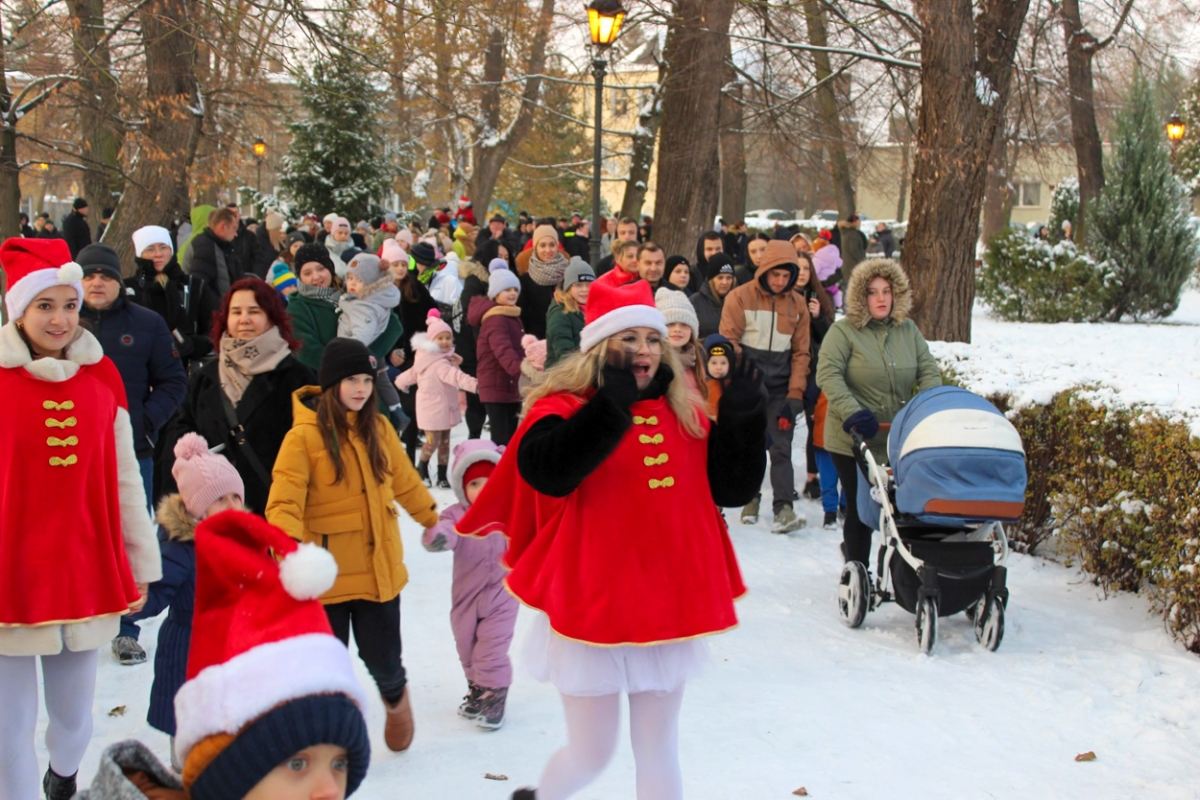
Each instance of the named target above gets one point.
<point>998,193</point>
<point>688,148</point>
<point>1085,136</point>
<point>10,172</point>
<point>97,104</point>
<point>966,75</point>
<point>905,177</point>
<point>642,147</point>
<point>732,146</point>
<point>173,110</point>
<point>827,105</point>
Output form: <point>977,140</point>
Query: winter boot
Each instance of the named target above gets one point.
<point>787,520</point>
<point>812,489</point>
<point>57,787</point>
<point>470,703</point>
<point>443,483</point>
<point>491,708</point>
<point>398,728</point>
<point>128,651</point>
<point>750,512</point>
<point>524,794</point>
<point>831,521</point>
<point>423,471</point>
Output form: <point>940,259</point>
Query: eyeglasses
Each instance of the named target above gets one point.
<point>632,343</point>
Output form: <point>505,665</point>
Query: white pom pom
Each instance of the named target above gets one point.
<point>308,573</point>
<point>70,272</point>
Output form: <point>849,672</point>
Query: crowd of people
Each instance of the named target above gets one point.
<point>274,394</point>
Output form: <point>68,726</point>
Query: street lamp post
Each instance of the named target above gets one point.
<point>604,23</point>
<point>1175,130</point>
<point>260,150</point>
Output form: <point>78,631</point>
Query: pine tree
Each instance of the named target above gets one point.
<point>1139,223</point>
<point>1187,152</point>
<point>338,159</point>
<point>1064,206</point>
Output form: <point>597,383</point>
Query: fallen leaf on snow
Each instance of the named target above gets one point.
<point>1088,756</point>
<point>801,792</point>
<point>119,711</point>
<point>489,776</point>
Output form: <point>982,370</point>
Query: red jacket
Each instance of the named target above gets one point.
<point>637,554</point>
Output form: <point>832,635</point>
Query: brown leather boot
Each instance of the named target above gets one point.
<point>398,729</point>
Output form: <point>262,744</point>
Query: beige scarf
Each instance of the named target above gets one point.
<point>242,359</point>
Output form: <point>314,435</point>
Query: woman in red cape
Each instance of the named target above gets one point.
<point>609,495</point>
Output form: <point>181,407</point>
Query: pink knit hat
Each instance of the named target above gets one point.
<point>393,252</point>
<point>203,477</point>
<point>434,324</point>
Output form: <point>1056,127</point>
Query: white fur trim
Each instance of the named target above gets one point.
<point>14,353</point>
<point>23,292</point>
<point>621,319</point>
<point>225,698</point>
<point>137,528</point>
<point>421,341</point>
<point>308,572</point>
<point>463,464</point>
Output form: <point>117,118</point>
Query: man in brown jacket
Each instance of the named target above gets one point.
<point>769,323</point>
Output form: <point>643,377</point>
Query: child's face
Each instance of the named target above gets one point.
<point>319,772</point>
<point>289,291</point>
<point>472,490</point>
<point>354,283</point>
<point>718,367</point>
<point>224,503</point>
<point>355,391</point>
<point>508,297</point>
<point>444,341</point>
<point>679,334</point>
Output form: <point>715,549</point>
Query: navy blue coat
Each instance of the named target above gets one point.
<point>138,342</point>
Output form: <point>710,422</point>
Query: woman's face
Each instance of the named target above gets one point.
<point>722,285</point>
<point>295,247</point>
<point>400,270</point>
<point>879,298</point>
<point>579,292</point>
<point>314,273</point>
<point>679,334</point>
<point>680,276</point>
<point>51,320</point>
<point>355,391</point>
<point>756,248</point>
<point>546,249</point>
<point>319,772</point>
<point>159,254</point>
<point>805,270</point>
<point>639,350</point>
<point>247,319</point>
<point>502,252</point>
<point>341,234</point>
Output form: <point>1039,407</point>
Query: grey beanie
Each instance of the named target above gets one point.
<point>366,266</point>
<point>578,271</point>
<point>500,280</point>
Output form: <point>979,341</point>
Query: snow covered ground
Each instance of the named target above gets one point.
<point>795,699</point>
<point>1156,364</point>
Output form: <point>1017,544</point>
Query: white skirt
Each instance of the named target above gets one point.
<point>586,670</point>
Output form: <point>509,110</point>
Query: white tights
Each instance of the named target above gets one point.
<point>69,680</point>
<point>592,724</point>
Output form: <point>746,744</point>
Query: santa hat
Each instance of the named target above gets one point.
<point>463,202</point>
<point>34,265</point>
<point>612,309</point>
<point>265,676</point>
<point>434,324</point>
<point>474,458</point>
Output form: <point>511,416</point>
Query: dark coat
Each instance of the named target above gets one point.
<point>76,231</point>
<point>138,342</point>
<point>186,304</point>
<point>213,260</point>
<point>247,251</point>
<point>708,310</point>
<point>887,242</point>
<point>466,335</point>
<point>413,314</point>
<point>265,252</point>
<point>535,302</point>
<point>606,264</point>
<point>564,329</point>
<point>265,413</point>
<point>499,350</point>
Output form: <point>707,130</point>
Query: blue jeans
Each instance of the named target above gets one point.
<point>146,465</point>
<point>827,474</point>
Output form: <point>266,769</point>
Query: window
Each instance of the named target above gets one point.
<point>1029,193</point>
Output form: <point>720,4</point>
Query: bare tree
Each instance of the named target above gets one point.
<point>644,137</point>
<point>831,121</point>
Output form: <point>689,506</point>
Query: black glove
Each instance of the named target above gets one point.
<point>620,385</point>
<point>743,389</point>
<point>864,422</point>
<point>788,413</point>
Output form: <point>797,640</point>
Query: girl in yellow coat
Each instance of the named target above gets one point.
<point>337,479</point>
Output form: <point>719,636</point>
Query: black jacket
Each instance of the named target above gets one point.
<point>535,302</point>
<point>708,310</point>
<point>887,242</point>
<point>77,232</point>
<point>138,342</point>
<point>186,304</point>
<point>466,336</point>
<point>606,264</point>
<point>413,316</point>
<point>246,249</point>
<point>213,259</point>
<point>265,413</point>
<point>265,252</point>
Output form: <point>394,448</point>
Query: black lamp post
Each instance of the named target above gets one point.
<point>260,150</point>
<point>604,23</point>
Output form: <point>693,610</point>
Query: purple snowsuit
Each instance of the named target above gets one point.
<point>483,614</point>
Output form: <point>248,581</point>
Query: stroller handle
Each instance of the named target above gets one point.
<point>860,444</point>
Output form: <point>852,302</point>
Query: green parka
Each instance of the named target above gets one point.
<point>872,364</point>
<point>315,322</point>
<point>563,329</point>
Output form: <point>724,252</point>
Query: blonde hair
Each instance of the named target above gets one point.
<point>580,372</point>
<point>565,300</point>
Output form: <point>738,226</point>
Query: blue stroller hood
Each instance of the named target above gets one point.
<point>956,460</point>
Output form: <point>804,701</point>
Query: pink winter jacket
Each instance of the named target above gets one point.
<point>438,381</point>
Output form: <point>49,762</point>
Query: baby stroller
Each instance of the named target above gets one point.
<point>958,475</point>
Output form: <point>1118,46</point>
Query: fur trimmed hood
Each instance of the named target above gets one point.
<point>857,313</point>
<point>471,452</point>
<point>173,516</point>
<point>426,353</point>
<point>14,353</point>
<point>381,287</point>
<point>469,266</point>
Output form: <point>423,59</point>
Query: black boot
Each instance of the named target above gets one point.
<point>442,483</point>
<point>57,787</point>
<point>524,794</point>
<point>423,471</point>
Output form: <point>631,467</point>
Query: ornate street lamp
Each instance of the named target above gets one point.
<point>1175,129</point>
<point>604,23</point>
<point>260,150</point>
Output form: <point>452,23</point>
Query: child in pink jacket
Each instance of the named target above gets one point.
<point>437,376</point>
<point>483,613</point>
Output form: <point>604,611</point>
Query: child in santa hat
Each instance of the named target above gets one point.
<point>438,380</point>
<point>465,212</point>
<point>483,613</point>
<point>208,484</point>
<point>599,497</point>
<point>337,478</point>
<point>77,548</point>
<point>271,709</point>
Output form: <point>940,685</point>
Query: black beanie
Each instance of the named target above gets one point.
<point>313,252</point>
<point>100,258</point>
<point>673,262</point>
<point>79,203</point>
<point>719,264</point>
<point>343,358</point>
<point>424,254</point>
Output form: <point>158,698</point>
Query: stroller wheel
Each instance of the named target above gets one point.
<point>854,593</point>
<point>927,624</point>
<point>989,622</point>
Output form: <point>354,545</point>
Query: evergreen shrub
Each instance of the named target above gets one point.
<point>1031,280</point>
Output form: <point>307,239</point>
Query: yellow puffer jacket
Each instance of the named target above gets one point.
<point>356,519</point>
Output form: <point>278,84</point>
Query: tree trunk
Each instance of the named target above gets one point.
<point>966,74</point>
<point>1085,136</point>
<point>831,122</point>
<point>688,148</point>
<point>905,176</point>
<point>97,104</point>
<point>998,193</point>
<point>174,111</point>
<point>642,147</point>
<point>10,172</point>
<point>732,146</point>
<point>491,151</point>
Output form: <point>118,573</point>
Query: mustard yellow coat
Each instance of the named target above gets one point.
<point>356,519</point>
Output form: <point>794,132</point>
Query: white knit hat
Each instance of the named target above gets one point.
<point>151,234</point>
<point>676,307</point>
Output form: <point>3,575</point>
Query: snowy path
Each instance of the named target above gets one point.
<point>795,699</point>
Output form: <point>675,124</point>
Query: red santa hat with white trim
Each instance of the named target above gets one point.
<point>34,265</point>
<point>464,202</point>
<point>266,678</point>
<point>612,309</point>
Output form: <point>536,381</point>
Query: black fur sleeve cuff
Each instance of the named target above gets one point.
<point>556,454</point>
<point>737,456</point>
